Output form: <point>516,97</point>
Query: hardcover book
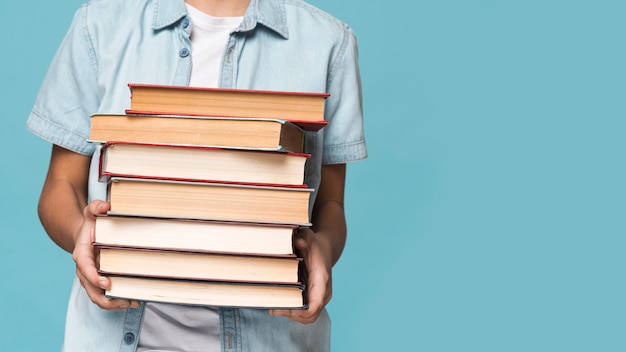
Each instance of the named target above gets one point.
<point>200,235</point>
<point>203,200</point>
<point>248,133</point>
<point>297,107</point>
<point>202,164</point>
<point>183,264</point>
<point>224,294</point>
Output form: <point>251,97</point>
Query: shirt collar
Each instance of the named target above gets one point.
<point>269,13</point>
<point>167,12</point>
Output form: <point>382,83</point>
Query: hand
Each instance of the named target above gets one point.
<point>318,262</point>
<point>85,255</point>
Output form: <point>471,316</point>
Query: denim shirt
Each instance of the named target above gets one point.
<point>280,45</point>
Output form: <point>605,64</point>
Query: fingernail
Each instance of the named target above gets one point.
<point>103,284</point>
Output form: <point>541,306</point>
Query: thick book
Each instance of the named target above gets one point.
<point>224,294</point>
<point>182,100</point>
<point>200,265</point>
<point>203,235</point>
<point>202,163</point>
<point>204,200</point>
<point>249,133</point>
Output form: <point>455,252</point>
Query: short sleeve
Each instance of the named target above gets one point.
<point>69,93</point>
<point>344,139</point>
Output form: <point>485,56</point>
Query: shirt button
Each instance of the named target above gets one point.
<point>184,52</point>
<point>185,22</point>
<point>129,338</point>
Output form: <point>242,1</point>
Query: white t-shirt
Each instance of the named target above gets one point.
<point>170,327</point>
<point>209,36</point>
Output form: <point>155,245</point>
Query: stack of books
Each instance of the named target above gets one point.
<point>206,188</point>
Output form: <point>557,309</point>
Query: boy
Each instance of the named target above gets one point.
<point>253,44</point>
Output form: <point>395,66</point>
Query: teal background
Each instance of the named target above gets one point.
<point>489,216</point>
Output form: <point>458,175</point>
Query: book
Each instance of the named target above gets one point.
<point>265,134</point>
<point>225,294</point>
<point>206,187</point>
<point>182,264</point>
<point>202,163</point>
<point>204,200</point>
<point>202,235</point>
<point>183,100</point>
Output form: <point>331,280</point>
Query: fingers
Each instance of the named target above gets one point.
<point>96,294</point>
<point>301,316</point>
<point>84,255</point>
<point>96,207</point>
<point>87,229</point>
<point>96,284</point>
<point>318,294</point>
<point>318,279</point>
<point>301,240</point>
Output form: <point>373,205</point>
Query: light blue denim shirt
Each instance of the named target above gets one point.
<point>280,45</point>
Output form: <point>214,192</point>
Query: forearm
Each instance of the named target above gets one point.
<point>322,244</point>
<point>61,212</point>
<point>329,225</point>
<point>70,222</point>
<point>328,218</point>
<point>64,196</point>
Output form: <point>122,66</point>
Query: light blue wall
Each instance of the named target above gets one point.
<point>490,215</point>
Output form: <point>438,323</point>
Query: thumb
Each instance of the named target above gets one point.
<point>96,207</point>
<point>302,239</point>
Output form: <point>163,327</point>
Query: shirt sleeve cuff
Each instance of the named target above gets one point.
<point>58,134</point>
<point>345,153</point>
